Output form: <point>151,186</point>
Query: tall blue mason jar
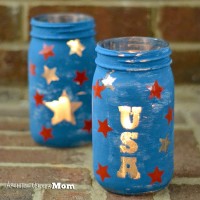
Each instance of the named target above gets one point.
<point>133,120</point>
<point>61,66</point>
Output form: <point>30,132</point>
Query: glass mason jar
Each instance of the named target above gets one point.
<point>61,66</point>
<point>132,121</point>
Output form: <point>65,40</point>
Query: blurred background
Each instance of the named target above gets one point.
<point>177,21</point>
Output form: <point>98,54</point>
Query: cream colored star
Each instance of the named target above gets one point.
<point>108,80</point>
<point>50,74</point>
<point>164,144</point>
<point>63,109</point>
<point>75,47</point>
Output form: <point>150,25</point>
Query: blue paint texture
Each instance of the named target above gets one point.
<point>134,73</point>
<point>57,30</point>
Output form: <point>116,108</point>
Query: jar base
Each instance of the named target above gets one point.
<point>139,193</point>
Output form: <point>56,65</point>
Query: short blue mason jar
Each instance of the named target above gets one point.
<point>61,66</point>
<point>133,115</point>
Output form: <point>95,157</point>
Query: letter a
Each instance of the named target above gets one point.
<point>128,166</point>
<point>125,114</point>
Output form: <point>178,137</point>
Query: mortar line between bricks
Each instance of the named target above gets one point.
<point>14,133</point>
<point>162,195</point>
<point>195,127</point>
<point>38,194</point>
<point>104,3</point>
<point>25,21</point>
<point>43,165</point>
<point>185,180</point>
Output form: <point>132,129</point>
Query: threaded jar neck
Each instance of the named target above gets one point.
<point>133,53</point>
<point>62,26</point>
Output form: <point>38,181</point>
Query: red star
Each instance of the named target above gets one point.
<point>104,128</point>
<point>98,89</point>
<point>32,69</point>
<point>169,115</point>
<point>102,172</point>
<point>80,77</point>
<point>156,176</point>
<point>155,90</point>
<point>87,125</point>
<point>47,51</point>
<point>46,133</point>
<point>38,98</point>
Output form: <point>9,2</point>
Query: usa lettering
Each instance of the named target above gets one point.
<point>129,118</point>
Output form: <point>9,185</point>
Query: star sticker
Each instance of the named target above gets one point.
<point>63,109</point>
<point>80,77</point>
<point>164,144</point>
<point>98,89</point>
<point>38,98</point>
<point>104,128</point>
<point>155,90</point>
<point>47,51</point>
<point>50,74</point>
<point>46,133</point>
<point>102,172</point>
<point>87,125</point>
<point>108,81</point>
<point>169,115</point>
<point>75,47</point>
<point>156,176</point>
<point>32,69</point>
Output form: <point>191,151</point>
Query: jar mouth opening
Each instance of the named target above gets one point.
<point>132,45</point>
<point>61,18</point>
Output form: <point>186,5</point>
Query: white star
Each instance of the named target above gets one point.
<point>63,109</point>
<point>108,81</point>
<point>75,47</point>
<point>50,74</point>
<point>164,144</point>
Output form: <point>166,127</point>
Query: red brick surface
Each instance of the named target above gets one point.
<point>15,194</point>
<point>187,155</point>
<point>10,23</point>
<point>51,156</point>
<point>44,175</point>
<point>13,66</point>
<point>67,195</point>
<point>111,196</point>
<point>20,139</point>
<point>110,21</point>
<point>184,192</point>
<point>185,66</point>
<point>180,23</point>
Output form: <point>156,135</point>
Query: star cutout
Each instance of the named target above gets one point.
<point>98,89</point>
<point>63,109</point>
<point>80,77</point>
<point>102,172</point>
<point>50,74</point>
<point>156,176</point>
<point>104,128</point>
<point>169,115</point>
<point>47,51</point>
<point>38,98</point>
<point>87,125</point>
<point>108,80</point>
<point>164,144</point>
<point>155,90</point>
<point>75,47</point>
<point>32,69</point>
<point>46,133</point>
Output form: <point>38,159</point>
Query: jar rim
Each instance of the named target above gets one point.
<point>130,46</point>
<point>60,19</point>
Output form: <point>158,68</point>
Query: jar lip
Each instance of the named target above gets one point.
<point>61,19</point>
<point>130,46</point>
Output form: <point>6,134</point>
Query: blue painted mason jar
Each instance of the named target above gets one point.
<point>61,67</point>
<point>133,120</point>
